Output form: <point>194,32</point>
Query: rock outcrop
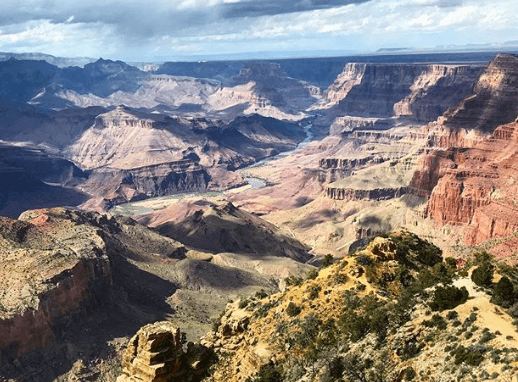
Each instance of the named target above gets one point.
<point>468,169</point>
<point>356,194</point>
<point>46,284</point>
<point>154,354</point>
<point>493,101</point>
<point>473,185</point>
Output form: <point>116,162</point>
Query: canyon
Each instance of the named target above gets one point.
<point>140,202</point>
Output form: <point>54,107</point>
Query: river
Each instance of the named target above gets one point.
<point>133,208</point>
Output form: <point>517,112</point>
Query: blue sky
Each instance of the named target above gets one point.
<point>169,29</point>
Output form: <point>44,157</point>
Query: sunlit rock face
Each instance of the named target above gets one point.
<point>469,169</point>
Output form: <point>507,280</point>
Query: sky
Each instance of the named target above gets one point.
<point>170,29</point>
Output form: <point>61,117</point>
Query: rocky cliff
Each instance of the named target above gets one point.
<point>354,194</point>
<point>493,100</point>
<point>468,168</point>
<point>49,284</point>
<point>477,186</point>
<point>418,92</point>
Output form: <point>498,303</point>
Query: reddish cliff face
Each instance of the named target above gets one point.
<point>469,169</point>
<point>46,284</point>
<point>474,182</point>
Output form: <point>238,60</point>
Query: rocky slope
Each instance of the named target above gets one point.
<point>225,228</point>
<point>369,317</point>
<point>74,283</point>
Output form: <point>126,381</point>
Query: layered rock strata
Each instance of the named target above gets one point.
<point>355,194</point>
<point>419,93</point>
<point>474,186</point>
<point>45,284</point>
<point>469,169</point>
<point>153,354</point>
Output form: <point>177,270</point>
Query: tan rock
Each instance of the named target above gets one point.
<point>153,354</point>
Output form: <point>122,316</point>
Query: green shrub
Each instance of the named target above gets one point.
<point>436,321</point>
<point>261,294</point>
<point>452,315</point>
<point>328,260</point>
<point>312,274</point>
<point>504,293</point>
<point>244,303</point>
<point>483,275</point>
<point>448,297</point>
<point>293,280</point>
<point>409,374</point>
<point>336,368</point>
<point>293,310</point>
<point>340,278</point>
<point>314,291</point>
<point>472,357</point>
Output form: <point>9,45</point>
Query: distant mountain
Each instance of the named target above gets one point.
<point>61,62</point>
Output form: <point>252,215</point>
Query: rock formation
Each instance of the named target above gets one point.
<point>468,169</point>
<point>420,93</point>
<point>47,284</point>
<point>153,354</point>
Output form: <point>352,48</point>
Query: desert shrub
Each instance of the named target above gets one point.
<point>314,291</point>
<point>448,297</point>
<point>262,311</point>
<point>340,278</point>
<point>409,374</point>
<point>486,337</point>
<point>293,310</point>
<point>472,357</point>
<point>293,280</point>
<point>312,274</point>
<point>336,368</point>
<point>261,294</point>
<point>503,293</point>
<point>268,373</point>
<point>452,315</point>
<point>328,260</point>
<point>410,350</point>
<point>483,275</point>
<point>437,322</point>
<point>427,253</point>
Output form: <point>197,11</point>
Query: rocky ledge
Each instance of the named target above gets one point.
<point>358,194</point>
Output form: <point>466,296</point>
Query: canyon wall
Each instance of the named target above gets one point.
<point>418,92</point>
<point>469,168</point>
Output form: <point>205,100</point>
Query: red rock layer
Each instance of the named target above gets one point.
<point>474,182</point>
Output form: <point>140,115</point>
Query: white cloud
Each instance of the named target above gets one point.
<point>183,26</point>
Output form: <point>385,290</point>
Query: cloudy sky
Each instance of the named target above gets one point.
<point>167,29</point>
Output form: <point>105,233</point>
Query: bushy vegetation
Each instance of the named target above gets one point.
<point>448,297</point>
<point>268,373</point>
<point>469,356</point>
<point>293,310</point>
<point>503,293</point>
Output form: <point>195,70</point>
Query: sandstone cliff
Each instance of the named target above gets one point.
<point>477,186</point>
